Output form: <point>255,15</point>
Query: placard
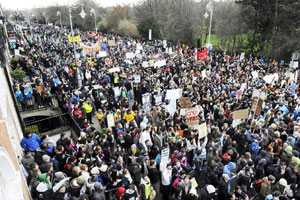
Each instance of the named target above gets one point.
<point>241,114</point>
<point>165,153</point>
<point>160,63</point>
<point>174,94</point>
<point>171,107</point>
<point>202,130</point>
<point>110,120</point>
<point>117,91</point>
<point>192,117</point>
<point>182,112</point>
<point>139,46</point>
<point>185,102</point>
<point>111,43</point>
<point>115,69</point>
<point>203,74</point>
<point>151,63</point>
<point>158,99</point>
<point>146,98</point>
<point>236,122</point>
<point>269,78</point>
<point>96,87</point>
<point>137,78</point>
<point>102,54</point>
<point>254,74</point>
<point>145,64</point>
<point>17,52</point>
<point>129,55</point>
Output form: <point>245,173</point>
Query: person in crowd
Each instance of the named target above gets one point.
<point>31,141</point>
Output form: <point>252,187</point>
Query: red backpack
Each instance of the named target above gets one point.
<point>177,180</point>
<point>257,184</point>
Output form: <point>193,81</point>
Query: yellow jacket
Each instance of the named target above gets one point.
<point>87,107</point>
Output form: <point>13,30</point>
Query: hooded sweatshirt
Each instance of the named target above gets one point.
<point>228,169</point>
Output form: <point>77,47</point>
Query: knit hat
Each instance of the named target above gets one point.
<point>271,178</point>
<point>42,187</point>
<point>210,189</point>
<point>289,148</point>
<point>283,182</point>
<point>120,192</point>
<point>59,176</point>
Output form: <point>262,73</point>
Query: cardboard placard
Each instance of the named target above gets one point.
<point>117,91</point>
<point>236,122</point>
<point>241,114</point>
<point>151,63</point>
<point>146,98</point>
<point>158,99</point>
<point>171,107</point>
<point>192,118</point>
<point>102,54</point>
<point>185,102</point>
<point>258,107</point>
<point>202,130</point>
<point>112,43</point>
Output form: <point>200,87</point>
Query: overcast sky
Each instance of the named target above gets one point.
<point>25,4</point>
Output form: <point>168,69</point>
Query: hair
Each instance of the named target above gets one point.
<point>27,133</point>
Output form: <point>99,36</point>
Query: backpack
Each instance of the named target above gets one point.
<point>257,184</point>
<point>177,180</point>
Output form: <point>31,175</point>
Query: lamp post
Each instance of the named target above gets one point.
<point>82,14</point>
<point>58,13</point>
<point>93,12</point>
<point>209,8</point>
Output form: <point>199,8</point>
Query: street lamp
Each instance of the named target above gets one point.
<point>82,15</point>
<point>209,8</point>
<point>58,13</point>
<point>93,12</point>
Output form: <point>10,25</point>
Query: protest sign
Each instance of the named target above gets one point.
<point>182,112</point>
<point>158,99</point>
<point>111,43</point>
<point>151,63</point>
<point>137,78</point>
<point>171,107</point>
<point>96,87</point>
<point>202,130</point>
<point>254,74</point>
<point>236,122</point>
<point>165,153</point>
<point>117,91</point>
<point>185,102</point>
<point>258,107</point>
<point>17,52</point>
<point>102,54</point>
<point>145,64</point>
<point>192,117</point>
<point>129,55</point>
<point>242,56</point>
<point>139,46</point>
<point>241,114</point>
<point>110,120</point>
<point>271,78</point>
<point>174,94</point>
<point>146,98</point>
<point>115,69</point>
<point>40,89</point>
<point>256,93</point>
<point>203,74</point>
<point>294,86</point>
<point>160,63</point>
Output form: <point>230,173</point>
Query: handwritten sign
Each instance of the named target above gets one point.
<point>192,117</point>
<point>111,43</point>
<point>110,120</point>
<point>241,114</point>
<point>202,130</point>
<point>185,102</point>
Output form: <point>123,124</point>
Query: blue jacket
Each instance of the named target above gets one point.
<point>50,149</point>
<point>32,143</point>
<point>228,168</point>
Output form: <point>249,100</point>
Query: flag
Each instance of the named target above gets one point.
<point>202,55</point>
<point>102,45</point>
<point>76,38</point>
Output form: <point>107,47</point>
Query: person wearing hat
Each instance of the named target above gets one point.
<point>208,193</point>
<point>130,193</point>
<point>145,188</point>
<point>46,191</point>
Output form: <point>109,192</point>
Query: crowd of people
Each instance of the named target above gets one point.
<point>144,148</point>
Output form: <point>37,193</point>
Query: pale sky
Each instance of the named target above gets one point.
<point>27,4</point>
